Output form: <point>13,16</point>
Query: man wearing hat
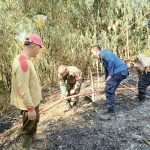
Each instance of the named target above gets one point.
<point>70,78</point>
<point>26,90</point>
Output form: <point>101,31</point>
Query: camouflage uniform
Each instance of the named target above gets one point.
<point>144,79</point>
<point>72,81</point>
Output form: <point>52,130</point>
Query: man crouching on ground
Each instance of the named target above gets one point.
<point>70,78</point>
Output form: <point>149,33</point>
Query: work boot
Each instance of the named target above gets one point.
<point>19,147</point>
<point>107,115</point>
<point>38,137</point>
<point>88,99</point>
<point>141,102</point>
<point>73,103</point>
<point>141,99</point>
<point>26,142</point>
<point>110,111</point>
<point>67,107</point>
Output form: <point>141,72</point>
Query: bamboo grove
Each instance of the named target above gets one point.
<point>69,28</point>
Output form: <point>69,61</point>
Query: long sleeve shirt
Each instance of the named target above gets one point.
<point>145,61</point>
<point>112,63</point>
<point>72,81</point>
<point>25,90</point>
<point>139,68</point>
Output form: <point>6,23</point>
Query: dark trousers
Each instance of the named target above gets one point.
<point>144,82</point>
<point>29,127</point>
<point>111,86</point>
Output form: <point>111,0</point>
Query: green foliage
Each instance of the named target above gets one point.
<point>70,29</point>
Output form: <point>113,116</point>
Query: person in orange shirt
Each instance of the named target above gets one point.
<point>26,90</point>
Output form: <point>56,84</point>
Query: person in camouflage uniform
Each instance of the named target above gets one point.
<point>139,68</point>
<point>142,66</point>
<point>70,78</point>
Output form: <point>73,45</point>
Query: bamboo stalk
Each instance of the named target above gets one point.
<point>92,86</point>
<point>88,72</point>
<point>98,78</point>
<point>127,37</point>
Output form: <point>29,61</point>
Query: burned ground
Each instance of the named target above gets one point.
<point>83,129</point>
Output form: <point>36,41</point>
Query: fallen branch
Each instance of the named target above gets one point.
<point>98,74</point>
<point>118,93</point>
<point>11,130</point>
<point>100,91</point>
<point>146,142</point>
<point>134,90</point>
<point>4,138</point>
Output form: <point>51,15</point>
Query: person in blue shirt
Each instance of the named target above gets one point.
<point>115,71</point>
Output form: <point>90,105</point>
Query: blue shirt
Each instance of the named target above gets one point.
<point>112,63</point>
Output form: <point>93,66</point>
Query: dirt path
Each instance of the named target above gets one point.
<point>83,129</point>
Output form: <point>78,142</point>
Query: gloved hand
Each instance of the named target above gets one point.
<point>76,88</point>
<point>108,78</point>
<point>31,113</point>
<point>63,97</point>
<point>72,92</point>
